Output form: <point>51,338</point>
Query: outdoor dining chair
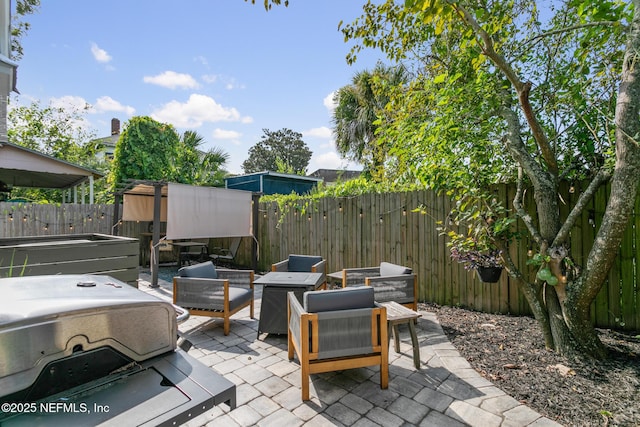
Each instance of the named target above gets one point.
<point>224,255</point>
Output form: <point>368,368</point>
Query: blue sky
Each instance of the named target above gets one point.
<point>224,68</point>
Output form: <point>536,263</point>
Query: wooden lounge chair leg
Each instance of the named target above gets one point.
<point>290,347</point>
<point>304,368</point>
<point>226,325</point>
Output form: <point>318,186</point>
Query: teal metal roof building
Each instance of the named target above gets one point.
<point>268,182</point>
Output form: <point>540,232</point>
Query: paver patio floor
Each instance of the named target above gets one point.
<point>446,391</point>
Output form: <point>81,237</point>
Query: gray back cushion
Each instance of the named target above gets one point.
<point>205,270</point>
<point>338,299</point>
<point>302,263</point>
<point>388,269</point>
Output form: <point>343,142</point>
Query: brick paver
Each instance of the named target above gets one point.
<point>446,391</point>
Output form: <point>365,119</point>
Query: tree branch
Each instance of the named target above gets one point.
<point>601,177</point>
<point>520,211</point>
<point>568,30</point>
<point>523,89</point>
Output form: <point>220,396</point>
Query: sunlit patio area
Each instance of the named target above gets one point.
<point>445,391</point>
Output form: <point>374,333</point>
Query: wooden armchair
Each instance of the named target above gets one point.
<point>303,264</point>
<point>337,330</point>
<point>215,292</point>
<point>391,282</point>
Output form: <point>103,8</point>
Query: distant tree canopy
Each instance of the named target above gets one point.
<point>56,132</point>
<point>283,151</point>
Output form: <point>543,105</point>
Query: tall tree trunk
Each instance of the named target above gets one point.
<point>624,190</point>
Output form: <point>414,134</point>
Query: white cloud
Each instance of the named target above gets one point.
<point>195,112</point>
<point>69,102</point>
<point>225,134</point>
<point>231,83</point>
<point>201,59</point>
<point>247,120</point>
<point>71,105</point>
<point>328,102</point>
<point>99,54</point>
<point>210,78</point>
<point>321,132</point>
<point>172,80</point>
<point>106,103</point>
<point>331,160</point>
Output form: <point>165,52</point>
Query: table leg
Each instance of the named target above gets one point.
<point>396,337</point>
<point>414,342</point>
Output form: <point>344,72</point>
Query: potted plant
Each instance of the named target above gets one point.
<point>486,228</point>
<point>485,261</point>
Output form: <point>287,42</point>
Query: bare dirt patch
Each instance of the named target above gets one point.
<point>510,352</point>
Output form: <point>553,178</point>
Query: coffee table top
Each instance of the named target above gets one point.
<point>336,275</point>
<point>398,312</point>
<point>289,278</point>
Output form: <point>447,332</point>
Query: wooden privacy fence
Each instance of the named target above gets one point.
<point>365,230</point>
<point>32,219</point>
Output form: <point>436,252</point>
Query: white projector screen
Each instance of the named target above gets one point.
<point>196,212</point>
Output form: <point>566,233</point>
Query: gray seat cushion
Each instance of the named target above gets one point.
<point>213,299</point>
<point>388,269</point>
<point>338,299</point>
<point>239,297</point>
<point>302,263</point>
<point>204,270</point>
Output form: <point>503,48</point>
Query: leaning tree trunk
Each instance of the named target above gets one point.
<point>567,307</point>
<point>624,191</point>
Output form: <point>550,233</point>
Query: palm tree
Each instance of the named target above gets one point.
<point>358,106</point>
<point>196,167</point>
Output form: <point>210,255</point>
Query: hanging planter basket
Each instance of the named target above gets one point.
<point>489,274</point>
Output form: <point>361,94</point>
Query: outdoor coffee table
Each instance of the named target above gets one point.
<point>276,284</point>
<point>398,314</point>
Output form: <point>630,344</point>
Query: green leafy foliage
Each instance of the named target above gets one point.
<point>19,27</point>
<point>57,132</point>
<point>479,228</point>
<point>280,150</point>
<point>146,150</point>
<point>196,167</point>
<point>353,187</point>
<point>360,107</point>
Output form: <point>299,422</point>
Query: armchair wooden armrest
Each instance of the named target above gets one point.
<point>357,276</point>
<point>280,266</point>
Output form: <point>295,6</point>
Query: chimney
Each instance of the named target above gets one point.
<point>115,127</point>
